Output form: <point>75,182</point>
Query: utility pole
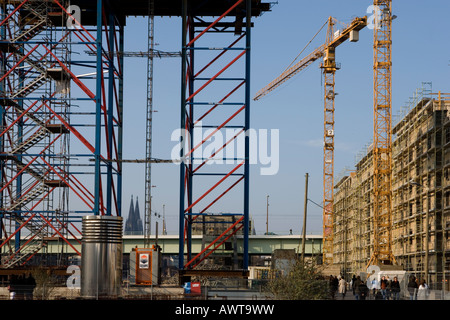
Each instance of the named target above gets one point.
<point>267,217</point>
<point>149,120</point>
<point>164,220</point>
<point>304,218</point>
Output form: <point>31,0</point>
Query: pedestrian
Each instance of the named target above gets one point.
<point>363,290</point>
<point>412,288</point>
<point>334,284</point>
<point>355,287</point>
<point>383,287</point>
<point>351,284</point>
<point>375,286</point>
<point>395,288</point>
<point>388,288</point>
<point>19,287</point>
<point>342,287</point>
<point>12,287</point>
<point>30,284</point>
<point>423,291</point>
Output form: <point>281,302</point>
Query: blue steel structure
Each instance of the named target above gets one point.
<point>61,128</point>
<point>61,110</point>
<point>215,106</point>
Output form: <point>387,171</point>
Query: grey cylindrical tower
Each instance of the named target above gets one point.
<point>101,257</point>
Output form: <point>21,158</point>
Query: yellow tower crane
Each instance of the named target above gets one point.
<point>382,144</point>
<point>329,67</point>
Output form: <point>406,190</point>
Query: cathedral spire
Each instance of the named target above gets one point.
<point>133,225</point>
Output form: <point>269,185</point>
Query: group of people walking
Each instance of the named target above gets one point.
<point>418,290</point>
<point>371,288</point>
<point>386,289</point>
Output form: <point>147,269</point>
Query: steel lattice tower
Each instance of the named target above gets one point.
<point>382,144</point>
<point>230,111</point>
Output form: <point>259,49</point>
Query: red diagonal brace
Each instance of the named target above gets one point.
<point>28,220</point>
<point>215,22</point>
<point>218,198</point>
<point>76,21</point>
<point>217,239</point>
<point>72,129</point>
<point>62,237</point>
<point>218,150</point>
<point>222,100</point>
<point>217,246</point>
<point>214,186</point>
<point>29,163</point>
<point>14,11</point>
<point>74,77</point>
<point>218,56</point>
<point>215,130</point>
<point>64,180</point>
<point>17,230</point>
<point>19,62</point>
<point>218,74</point>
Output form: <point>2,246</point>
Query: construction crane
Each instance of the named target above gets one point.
<point>382,144</point>
<point>327,52</point>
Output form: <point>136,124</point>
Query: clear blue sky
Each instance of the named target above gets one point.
<point>421,53</point>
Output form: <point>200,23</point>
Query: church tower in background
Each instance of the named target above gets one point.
<point>133,224</point>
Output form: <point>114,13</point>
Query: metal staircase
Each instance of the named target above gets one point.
<point>39,135</point>
<point>29,74</point>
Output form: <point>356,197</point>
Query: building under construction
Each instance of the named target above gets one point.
<point>420,196</point>
<point>62,109</point>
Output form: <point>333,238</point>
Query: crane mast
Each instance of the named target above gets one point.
<point>382,144</point>
<point>329,67</point>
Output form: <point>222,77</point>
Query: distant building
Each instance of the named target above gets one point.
<point>133,225</point>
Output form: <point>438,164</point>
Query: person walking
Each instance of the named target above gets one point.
<point>30,284</point>
<point>395,289</point>
<point>12,287</point>
<point>351,284</point>
<point>388,288</point>
<point>422,292</point>
<point>412,288</point>
<point>383,286</point>
<point>334,284</point>
<point>355,287</point>
<point>342,287</point>
<point>374,286</point>
<point>363,290</point>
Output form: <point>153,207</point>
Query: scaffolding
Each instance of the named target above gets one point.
<point>232,29</point>
<point>215,107</point>
<point>420,216</point>
<point>62,108</point>
<point>420,194</point>
<point>58,111</point>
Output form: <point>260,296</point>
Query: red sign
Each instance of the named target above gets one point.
<point>196,288</point>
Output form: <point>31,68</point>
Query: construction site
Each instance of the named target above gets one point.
<point>62,155</point>
<point>418,237</point>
